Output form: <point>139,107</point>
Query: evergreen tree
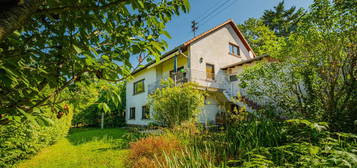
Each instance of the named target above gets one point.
<point>282,21</point>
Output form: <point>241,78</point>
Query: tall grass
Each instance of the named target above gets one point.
<point>189,157</point>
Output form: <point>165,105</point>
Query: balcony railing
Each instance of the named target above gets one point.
<point>203,78</point>
<point>178,77</point>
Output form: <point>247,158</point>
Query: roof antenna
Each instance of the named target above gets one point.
<point>194,27</point>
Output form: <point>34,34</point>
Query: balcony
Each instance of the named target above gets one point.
<point>178,77</point>
<point>209,80</point>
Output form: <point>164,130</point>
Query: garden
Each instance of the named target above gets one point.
<point>63,89</point>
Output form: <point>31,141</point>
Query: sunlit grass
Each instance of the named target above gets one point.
<point>84,148</point>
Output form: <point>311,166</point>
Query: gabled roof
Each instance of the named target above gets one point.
<point>235,28</point>
<point>187,43</point>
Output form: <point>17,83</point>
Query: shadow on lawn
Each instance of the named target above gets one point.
<point>80,136</point>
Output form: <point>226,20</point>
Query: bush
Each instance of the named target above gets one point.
<point>19,141</point>
<point>148,151</point>
<point>175,104</point>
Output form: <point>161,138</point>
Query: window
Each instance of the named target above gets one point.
<point>234,49</point>
<point>210,71</point>
<point>139,87</point>
<point>132,113</point>
<point>233,78</point>
<point>145,112</point>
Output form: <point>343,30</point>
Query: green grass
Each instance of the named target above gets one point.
<point>84,148</point>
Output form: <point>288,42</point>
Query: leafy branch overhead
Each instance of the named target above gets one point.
<point>49,45</point>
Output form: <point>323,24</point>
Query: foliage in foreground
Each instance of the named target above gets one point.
<point>175,104</point>
<point>53,44</point>
<point>316,77</point>
<point>19,141</point>
<point>149,152</point>
<point>259,143</point>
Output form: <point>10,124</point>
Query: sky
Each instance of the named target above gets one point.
<point>238,10</point>
<point>219,11</point>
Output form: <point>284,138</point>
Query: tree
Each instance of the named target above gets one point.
<point>282,21</point>
<point>53,44</point>
<point>316,77</point>
<point>261,38</point>
<point>174,104</point>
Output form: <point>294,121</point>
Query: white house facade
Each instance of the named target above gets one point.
<point>212,59</point>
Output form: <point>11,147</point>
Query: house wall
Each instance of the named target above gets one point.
<point>210,110</point>
<point>151,76</point>
<point>214,49</point>
<point>168,65</point>
<point>139,100</point>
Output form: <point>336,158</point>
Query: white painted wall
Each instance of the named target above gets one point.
<point>140,99</point>
<point>214,49</point>
<point>209,111</point>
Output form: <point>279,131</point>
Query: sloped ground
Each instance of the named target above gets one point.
<point>84,148</point>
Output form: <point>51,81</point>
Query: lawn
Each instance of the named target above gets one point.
<point>84,148</point>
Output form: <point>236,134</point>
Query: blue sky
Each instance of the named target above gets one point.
<point>238,10</point>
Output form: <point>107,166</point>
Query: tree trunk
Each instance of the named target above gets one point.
<point>13,16</point>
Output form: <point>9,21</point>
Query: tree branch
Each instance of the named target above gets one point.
<point>13,18</point>
<point>74,78</point>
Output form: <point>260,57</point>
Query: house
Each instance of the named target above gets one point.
<point>212,59</point>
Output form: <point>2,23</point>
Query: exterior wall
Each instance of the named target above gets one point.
<point>152,76</point>
<point>140,99</point>
<point>210,110</point>
<point>214,49</point>
<point>168,65</point>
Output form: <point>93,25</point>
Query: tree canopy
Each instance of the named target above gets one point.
<point>46,46</point>
<point>316,75</point>
<point>282,21</point>
<point>262,39</point>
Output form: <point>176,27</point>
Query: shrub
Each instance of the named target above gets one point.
<point>19,141</point>
<point>148,151</point>
<point>175,104</point>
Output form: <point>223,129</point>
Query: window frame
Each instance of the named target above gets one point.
<point>233,46</point>
<point>134,86</point>
<point>213,76</point>
<point>132,110</point>
<point>145,116</point>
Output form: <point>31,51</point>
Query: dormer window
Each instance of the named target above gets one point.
<point>234,49</point>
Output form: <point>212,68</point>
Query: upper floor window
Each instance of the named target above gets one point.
<point>132,113</point>
<point>210,71</point>
<point>139,87</point>
<point>234,49</point>
<point>145,112</point>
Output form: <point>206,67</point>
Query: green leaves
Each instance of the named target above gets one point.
<point>175,104</point>
<point>87,38</point>
<point>104,107</point>
<point>78,50</point>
